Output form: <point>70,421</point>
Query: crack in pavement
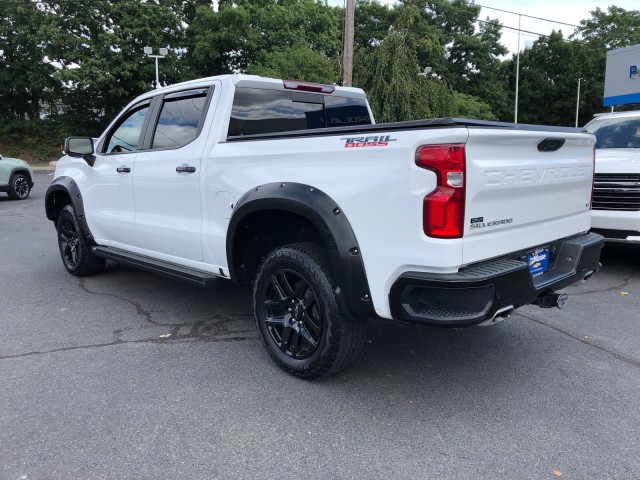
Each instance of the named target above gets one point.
<point>126,342</point>
<point>628,360</point>
<point>216,329</point>
<point>139,309</point>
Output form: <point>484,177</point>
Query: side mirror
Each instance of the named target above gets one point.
<point>80,147</point>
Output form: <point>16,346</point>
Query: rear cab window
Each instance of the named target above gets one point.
<point>259,111</point>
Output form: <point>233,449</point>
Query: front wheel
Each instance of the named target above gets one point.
<point>19,187</point>
<point>300,321</point>
<point>74,250</point>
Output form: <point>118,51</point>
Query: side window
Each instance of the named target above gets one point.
<point>125,136</point>
<point>180,119</point>
<point>258,111</point>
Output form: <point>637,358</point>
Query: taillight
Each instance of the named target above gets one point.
<point>443,209</point>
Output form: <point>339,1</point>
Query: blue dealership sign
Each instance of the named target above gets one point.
<point>622,78</point>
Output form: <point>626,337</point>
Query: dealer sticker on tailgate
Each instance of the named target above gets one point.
<point>538,261</point>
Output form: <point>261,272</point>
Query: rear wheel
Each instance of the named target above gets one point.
<point>19,187</point>
<point>300,321</point>
<point>74,250</point>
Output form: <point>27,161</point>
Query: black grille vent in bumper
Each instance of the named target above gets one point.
<point>617,191</point>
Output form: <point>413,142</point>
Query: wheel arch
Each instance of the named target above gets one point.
<point>278,214</point>
<point>65,191</point>
<point>24,171</point>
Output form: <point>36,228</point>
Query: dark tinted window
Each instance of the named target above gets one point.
<point>616,132</point>
<point>343,111</point>
<point>125,136</point>
<point>269,111</point>
<point>258,111</point>
<point>179,120</point>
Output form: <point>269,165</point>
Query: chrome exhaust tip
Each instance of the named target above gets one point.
<point>499,316</point>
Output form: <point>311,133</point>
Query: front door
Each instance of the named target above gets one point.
<point>109,195</point>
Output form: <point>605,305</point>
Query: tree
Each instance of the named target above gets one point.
<point>25,72</point>
<point>468,106</point>
<point>391,76</point>
<point>99,47</point>
<point>549,73</point>
<point>615,28</point>
<point>372,22</point>
<point>248,32</point>
<point>297,63</point>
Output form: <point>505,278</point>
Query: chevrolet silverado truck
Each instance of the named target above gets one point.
<point>616,196</point>
<point>292,188</point>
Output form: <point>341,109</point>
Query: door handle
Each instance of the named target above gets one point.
<point>123,169</point>
<point>184,168</point>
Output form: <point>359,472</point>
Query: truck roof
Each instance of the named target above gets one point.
<point>630,113</point>
<point>253,81</point>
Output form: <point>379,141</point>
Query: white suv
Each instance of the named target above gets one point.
<point>616,196</point>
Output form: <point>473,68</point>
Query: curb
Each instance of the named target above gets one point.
<point>45,168</point>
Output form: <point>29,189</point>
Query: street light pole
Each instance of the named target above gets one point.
<point>578,102</point>
<point>163,53</point>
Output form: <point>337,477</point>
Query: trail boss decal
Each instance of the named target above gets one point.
<point>372,141</point>
<point>479,222</point>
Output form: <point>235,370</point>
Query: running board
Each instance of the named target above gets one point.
<point>178,272</point>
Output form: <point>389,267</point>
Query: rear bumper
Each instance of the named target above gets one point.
<point>478,292</point>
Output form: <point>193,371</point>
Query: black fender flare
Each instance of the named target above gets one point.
<point>328,218</point>
<point>68,186</point>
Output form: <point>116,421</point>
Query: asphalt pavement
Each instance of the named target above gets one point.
<point>127,375</point>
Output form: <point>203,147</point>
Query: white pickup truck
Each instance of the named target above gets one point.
<point>292,188</point>
<point>616,196</point>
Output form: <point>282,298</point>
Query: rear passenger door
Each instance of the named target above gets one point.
<point>166,183</point>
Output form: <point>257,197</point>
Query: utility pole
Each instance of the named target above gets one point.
<point>347,59</point>
<point>515,119</point>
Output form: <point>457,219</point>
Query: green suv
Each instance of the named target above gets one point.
<point>16,178</point>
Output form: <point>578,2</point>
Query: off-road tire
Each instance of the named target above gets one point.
<point>19,186</point>
<point>74,250</point>
<point>295,291</point>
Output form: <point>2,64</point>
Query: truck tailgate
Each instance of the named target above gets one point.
<point>522,190</point>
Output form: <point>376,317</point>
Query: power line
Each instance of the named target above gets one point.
<point>471,18</point>
<point>528,16</point>
<point>393,2</point>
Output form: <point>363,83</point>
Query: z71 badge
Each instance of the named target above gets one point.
<point>372,141</point>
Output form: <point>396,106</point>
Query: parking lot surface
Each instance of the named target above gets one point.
<point>130,375</point>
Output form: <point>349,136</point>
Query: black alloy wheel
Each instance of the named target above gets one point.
<point>69,242</point>
<point>74,250</point>
<point>300,320</point>
<point>19,188</point>
<point>292,314</point>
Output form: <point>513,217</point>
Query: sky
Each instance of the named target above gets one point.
<point>567,11</point>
